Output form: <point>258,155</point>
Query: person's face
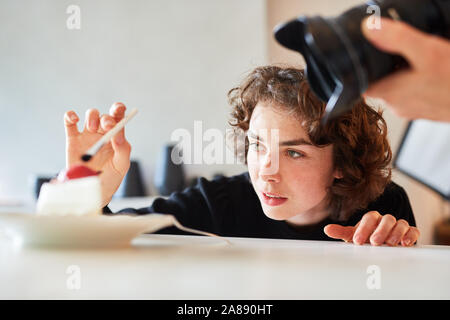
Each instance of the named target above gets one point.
<point>303,172</point>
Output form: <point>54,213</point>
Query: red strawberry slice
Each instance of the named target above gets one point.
<point>76,172</point>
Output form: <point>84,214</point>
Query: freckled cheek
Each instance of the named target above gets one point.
<point>307,183</point>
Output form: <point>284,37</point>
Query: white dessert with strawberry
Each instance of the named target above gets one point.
<point>77,191</point>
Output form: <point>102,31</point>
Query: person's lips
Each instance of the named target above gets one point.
<point>272,194</point>
<point>273,199</point>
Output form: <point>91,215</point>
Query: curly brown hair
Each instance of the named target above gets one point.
<point>361,150</point>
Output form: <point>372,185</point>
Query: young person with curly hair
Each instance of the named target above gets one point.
<point>304,180</point>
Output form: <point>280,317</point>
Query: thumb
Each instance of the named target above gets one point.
<point>397,37</point>
<point>337,231</point>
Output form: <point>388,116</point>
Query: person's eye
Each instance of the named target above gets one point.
<point>294,154</point>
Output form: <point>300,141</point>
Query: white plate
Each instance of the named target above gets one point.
<point>80,231</point>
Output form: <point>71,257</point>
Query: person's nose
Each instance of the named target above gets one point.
<point>272,178</point>
<point>269,168</point>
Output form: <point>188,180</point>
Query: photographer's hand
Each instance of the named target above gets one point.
<point>423,90</point>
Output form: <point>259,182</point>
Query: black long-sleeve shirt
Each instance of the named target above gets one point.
<point>229,206</point>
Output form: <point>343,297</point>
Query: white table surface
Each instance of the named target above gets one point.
<point>196,267</point>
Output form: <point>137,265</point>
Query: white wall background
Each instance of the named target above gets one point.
<point>175,60</point>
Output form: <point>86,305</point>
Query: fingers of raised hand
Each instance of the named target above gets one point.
<point>107,122</point>
<point>117,111</point>
<point>95,123</point>
<point>92,120</point>
<point>70,123</point>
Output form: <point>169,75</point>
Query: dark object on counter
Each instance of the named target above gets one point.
<point>169,175</point>
<point>38,182</point>
<point>132,185</point>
